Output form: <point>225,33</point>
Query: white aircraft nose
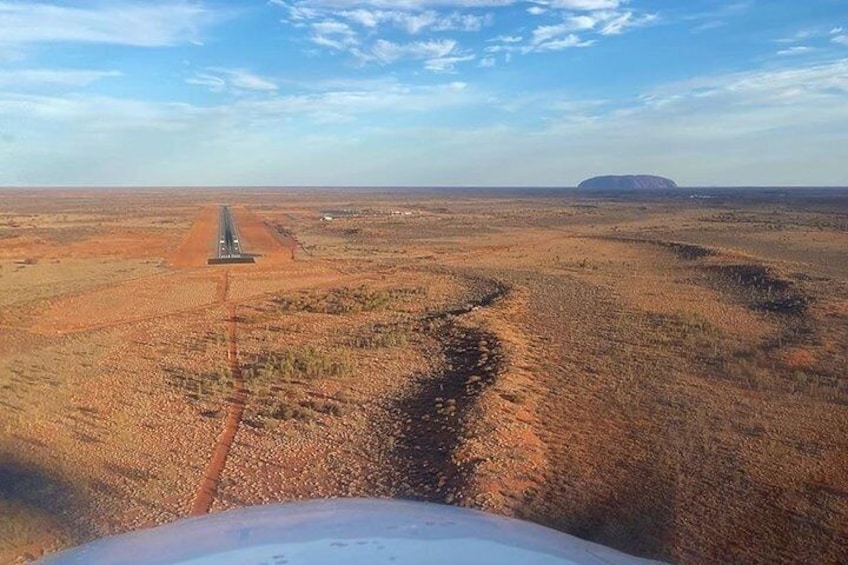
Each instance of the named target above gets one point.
<point>352,531</point>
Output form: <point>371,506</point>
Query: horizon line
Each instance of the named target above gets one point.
<point>406,187</point>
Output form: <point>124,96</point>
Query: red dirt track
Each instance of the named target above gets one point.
<point>212,475</point>
<point>194,251</point>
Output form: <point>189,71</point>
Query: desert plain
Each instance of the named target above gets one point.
<point>665,373</point>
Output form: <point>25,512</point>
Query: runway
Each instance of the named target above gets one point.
<point>229,246</point>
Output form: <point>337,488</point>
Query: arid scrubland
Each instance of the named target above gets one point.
<point>661,373</point>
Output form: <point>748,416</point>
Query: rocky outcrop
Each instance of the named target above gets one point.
<point>628,182</point>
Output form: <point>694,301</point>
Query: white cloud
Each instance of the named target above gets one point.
<point>413,20</point>
<point>801,35</point>
<point>89,116</point>
<point>333,34</point>
<point>367,30</point>
<point>582,22</point>
<point>144,24</point>
<point>795,50</point>
<point>771,89</point>
<point>818,35</point>
<point>367,20</point>
<point>601,21</point>
<point>619,22</point>
<point>418,5</point>
<point>91,113</point>
<point>298,12</point>
<point>212,82</point>
<point>615,23</point>
<point>546,33</point>
<point>566,42</point>
<point>23,79</point>
<point>220,79</point>
<point>330,27</point>
<point>441,56</point>
<point>447,64</point>
<point>756,127</point>
<point>507,39</point>
<point>422,5</point>
<point>588,5</point>
<point>389,52</point>
<point>105,140</point>
<point>240,78</point>
<point>84,113</point>
<point>714,17</point>
<point>556,38</point>
<point>463,22</point>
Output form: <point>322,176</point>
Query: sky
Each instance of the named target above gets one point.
<point>422,92</point>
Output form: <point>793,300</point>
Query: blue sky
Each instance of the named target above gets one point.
<point>422,92</point>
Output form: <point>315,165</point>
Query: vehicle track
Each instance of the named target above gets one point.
<point>208,487</point>
<point>222,289</point>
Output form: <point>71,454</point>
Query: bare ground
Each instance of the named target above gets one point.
<point>621,369</point>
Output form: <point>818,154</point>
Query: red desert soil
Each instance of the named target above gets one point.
<point>200,242</point>
<point>258,238</point>
<point>666,377</point>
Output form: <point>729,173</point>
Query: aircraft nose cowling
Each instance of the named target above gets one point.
<point>351,531</point>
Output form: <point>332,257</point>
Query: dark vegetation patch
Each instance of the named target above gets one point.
<point>278,384</point>
<point>770,365</point>
<point>773,363</point>
<point>290,411</point>
<point>345,300</point>
<point>760,288</point>
<point>763,369</point>
<point>283,231</point>
<point>757,286</point>
<point>295,405</point>
<point>480,292</point>
<point>381,336</point>
<point>199,387</point>
<point>437,410</point>
<point>687,251</point>
<point>284,235</point>
<point>782,219</point>
<point>296,364</point>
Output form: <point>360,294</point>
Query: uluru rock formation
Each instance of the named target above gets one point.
<point>628,182</point>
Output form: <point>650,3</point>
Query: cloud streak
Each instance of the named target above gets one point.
<point>746,122</point>
<point>219,80</point>
<point>140,24</point>
<point>361,28</point>
<point>25,79</point>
